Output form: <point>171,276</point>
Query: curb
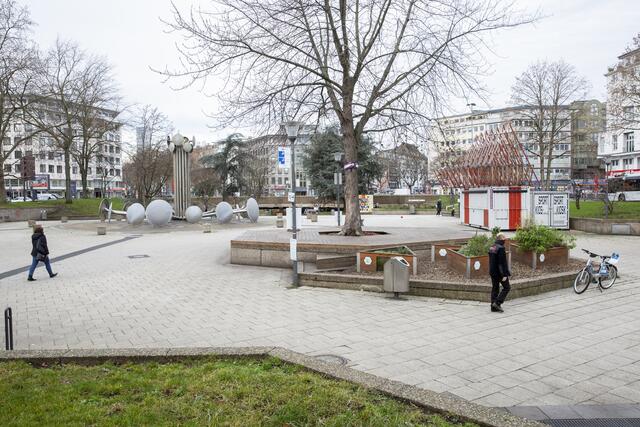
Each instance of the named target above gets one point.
<point>436,402</point>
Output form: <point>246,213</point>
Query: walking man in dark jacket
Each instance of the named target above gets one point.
<point>39,252</point>
<point>438,207</point>
<point>499,272</point>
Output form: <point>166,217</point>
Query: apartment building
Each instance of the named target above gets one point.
<point>104,172</point>
<point>620,149</point>
<point>277,178</point>
<point>452,134</point>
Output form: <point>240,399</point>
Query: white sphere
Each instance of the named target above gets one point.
<point>224,212</point>
<point>193,214</point>
<point>135,214</point>
<point>159,212</point>
<point>253,210</point>
<point>187,147</point>
<point>177,140</point>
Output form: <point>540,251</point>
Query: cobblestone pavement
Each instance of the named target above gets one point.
<point>555,349</point>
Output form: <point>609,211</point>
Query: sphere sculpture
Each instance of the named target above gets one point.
<point>159,212</point>
<point>253,211</point>
<point>135,214</point>
<point>193,214</point>
<point>224,212</point>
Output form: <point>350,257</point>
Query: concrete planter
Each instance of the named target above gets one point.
<point>470,267</point>
<point>439,251</point>
<point>554,256</point>
<point>374,260</point>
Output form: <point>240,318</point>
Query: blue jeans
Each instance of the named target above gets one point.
<point>34,264</point>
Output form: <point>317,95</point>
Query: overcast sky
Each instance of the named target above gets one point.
<point>589,34</point>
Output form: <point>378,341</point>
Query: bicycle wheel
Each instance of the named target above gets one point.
<point>608,281</point>
<point>583,279</point>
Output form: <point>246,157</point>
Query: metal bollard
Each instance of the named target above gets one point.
<point>8,329</point>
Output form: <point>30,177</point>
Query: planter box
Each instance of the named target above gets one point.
<point>439,251</point>
<point>469,267</point>
<point>374,260</point>
<point>554,256</point>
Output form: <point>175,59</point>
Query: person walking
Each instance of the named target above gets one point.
<point>39,252</point>
<point>499,272</point>
<point>438,207</point>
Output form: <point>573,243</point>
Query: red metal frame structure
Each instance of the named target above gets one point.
<point>495,159</point>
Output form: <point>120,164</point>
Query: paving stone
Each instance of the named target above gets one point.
<point>186,293</point>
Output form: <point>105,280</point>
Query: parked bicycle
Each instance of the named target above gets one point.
<point>604,275</point>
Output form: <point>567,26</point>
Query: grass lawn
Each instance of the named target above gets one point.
<point>234,392</point>
<point>595,209</point>
<point>79,207</point>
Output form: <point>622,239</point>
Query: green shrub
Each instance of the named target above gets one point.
<point>476,246</point>
<point>540,238</point>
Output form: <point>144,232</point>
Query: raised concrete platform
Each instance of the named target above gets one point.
<point>270,248</point>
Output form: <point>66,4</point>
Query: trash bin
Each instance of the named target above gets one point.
<point>396,275</point>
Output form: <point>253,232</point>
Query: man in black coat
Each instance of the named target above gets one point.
<point>499,272</point>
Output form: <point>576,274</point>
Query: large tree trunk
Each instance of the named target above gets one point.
<point>352,225</point>
<point>3,189</point>
<point>67,176</point>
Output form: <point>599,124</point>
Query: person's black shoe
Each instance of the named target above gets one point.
<point>495,307</point>
<point>31,279</point>
<point>53,275</point>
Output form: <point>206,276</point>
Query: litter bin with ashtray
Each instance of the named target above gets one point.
<point>396,276</point>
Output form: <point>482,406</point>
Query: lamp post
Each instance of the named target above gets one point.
<point>292,129</point>
<point>607,164</point>
<point>337,180</point>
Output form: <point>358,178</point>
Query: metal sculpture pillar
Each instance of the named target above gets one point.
<point>181,148</point>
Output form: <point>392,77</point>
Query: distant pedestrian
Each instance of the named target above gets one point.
<point>499,272</point>
<point>39,252</point>
<point>438,207</point>
<point>578,195</point>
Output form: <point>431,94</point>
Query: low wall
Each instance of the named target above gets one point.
<point>606,226</point>
<point>436,289</point>
<point>25,214</point>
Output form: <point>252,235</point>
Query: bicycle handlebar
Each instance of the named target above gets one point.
<point>593,255</point>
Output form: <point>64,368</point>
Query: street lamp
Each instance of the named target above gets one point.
<point>607,164</point>
<point>337,180</point>
<point>292,128</point>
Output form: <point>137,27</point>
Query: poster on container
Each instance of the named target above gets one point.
<point>366,202</point>
<point>560,210</point>
<point>551,209</point>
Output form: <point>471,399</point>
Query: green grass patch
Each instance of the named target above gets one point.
<point>595,209</point>
<point>78,207</point>
<point>210,391</point>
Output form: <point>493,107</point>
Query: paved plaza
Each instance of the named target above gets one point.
<point>554,349</point>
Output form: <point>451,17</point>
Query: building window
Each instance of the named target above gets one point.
<point>7,168</point>
<point>627,163</point>
<point>17,154</point>
<point>88,171</point>
<point>58,169</point>
<point>51,169</point>
<point>614,142</point>
<point>117,172</point>
<point>43,168</point>
<point>628,142</point>
<point>6,141</point>
<point>615,163</point>
<point>74,170</point>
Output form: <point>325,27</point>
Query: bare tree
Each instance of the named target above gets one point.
<point>545,90</point>
<point>150,163</point>
<point>18,57</point>
<point>58,100</point>
<point>412,165</point>
<point>96,114</point>
<point>623,105</point>
<point>374,64</point>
